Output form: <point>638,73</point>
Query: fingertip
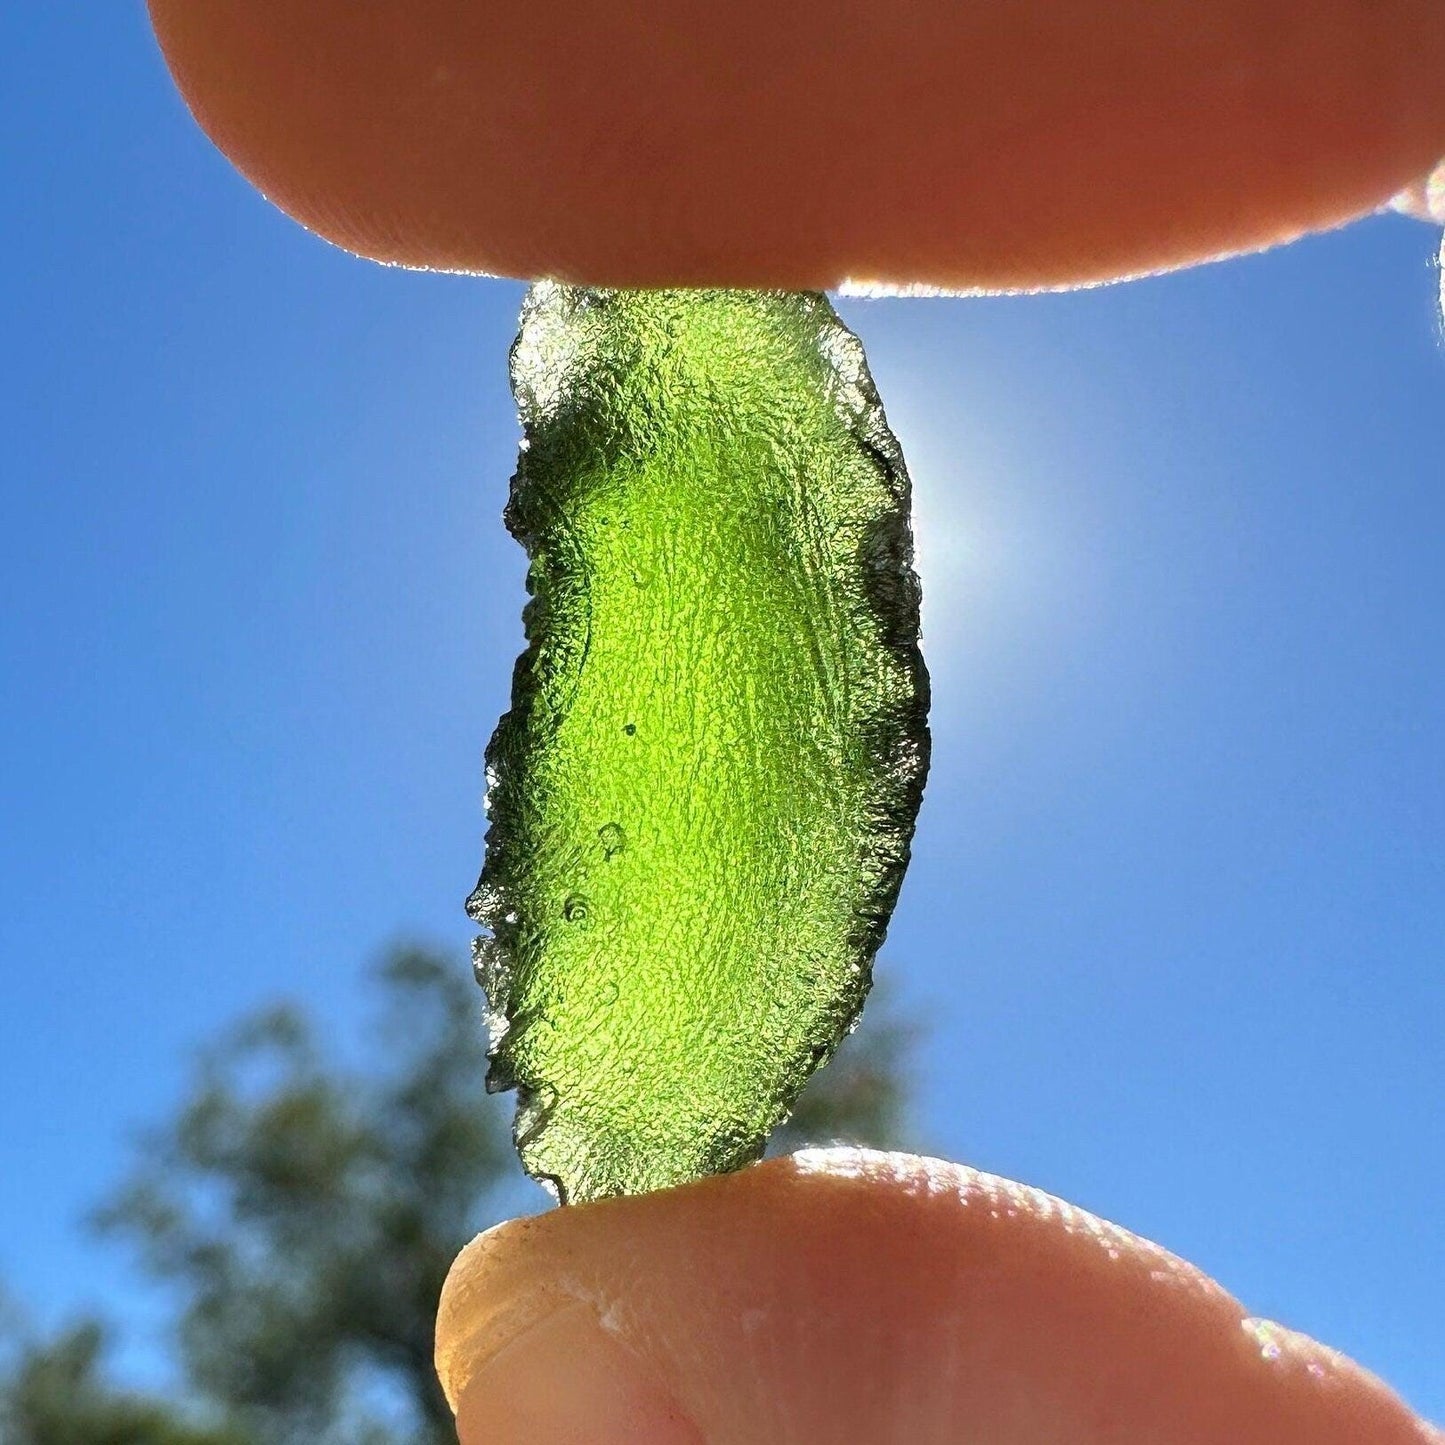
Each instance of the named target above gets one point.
<point>1046,143</point>
<point>847,1294</point>
<point>567,1381</point>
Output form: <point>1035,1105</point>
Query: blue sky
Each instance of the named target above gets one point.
<point>1178,902</point>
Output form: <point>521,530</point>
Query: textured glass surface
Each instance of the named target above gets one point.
<point>702,798</point>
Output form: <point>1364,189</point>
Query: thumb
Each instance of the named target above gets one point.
<point>843,1295</point>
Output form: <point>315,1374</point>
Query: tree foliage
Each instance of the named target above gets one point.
<point>55,1394</point>
<point>305,1213</point>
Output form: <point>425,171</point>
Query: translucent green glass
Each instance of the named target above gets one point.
<point>702,798</point>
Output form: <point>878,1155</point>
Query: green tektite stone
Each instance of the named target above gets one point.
<point>702,798</point>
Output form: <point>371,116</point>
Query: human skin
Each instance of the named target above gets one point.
<point>1011,144</point>
<point>845,1295</point>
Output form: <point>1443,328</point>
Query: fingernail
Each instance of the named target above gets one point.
<point>566,1381</point>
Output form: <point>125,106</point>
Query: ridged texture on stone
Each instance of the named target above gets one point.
<point>702,798</point>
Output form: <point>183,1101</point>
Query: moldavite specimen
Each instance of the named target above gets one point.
<point>702,798</point>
